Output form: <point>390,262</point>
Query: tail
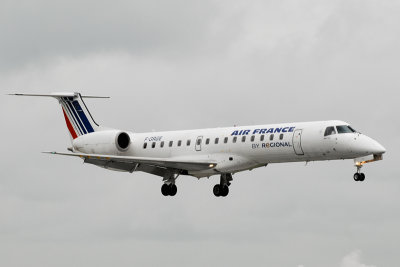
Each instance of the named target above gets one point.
<point>77,116</point>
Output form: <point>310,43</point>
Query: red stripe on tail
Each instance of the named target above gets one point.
<point>69,125</point>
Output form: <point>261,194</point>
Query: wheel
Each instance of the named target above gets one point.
<point>217,190</point>
<point>165,190</point>
<point>356,176</point>
<point>362,177</point>
<point>224,191</point>
<point>172,190</point>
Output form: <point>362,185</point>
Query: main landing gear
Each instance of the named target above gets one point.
<point>169,189</point>
<point>359,176</point>
<point>222,189</point>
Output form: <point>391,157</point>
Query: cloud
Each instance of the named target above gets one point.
<point>353,259</point>
<point>42,29</point>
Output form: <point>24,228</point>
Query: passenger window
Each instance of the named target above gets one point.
<point>162,144</point>
<point>188,142</point>
<point>198,141</point>
<point>271,137</point>
<point>344,129</point>
<point>234,139</point>
<point>171,143</point>
<point>153,145</point>
<point>207,141</point>
<point>144,145</point>
<point>262,138</point>
<point>243,138</point>
<point>216,140</point>
<point>280,136</point>
<point>252,138</point>
<point>226,140</point>
<point>329,131</point>
<point>179,142</point>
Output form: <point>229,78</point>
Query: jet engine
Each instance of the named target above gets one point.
<point>109,142</point>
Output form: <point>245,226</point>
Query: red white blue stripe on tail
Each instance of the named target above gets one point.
<point>77,116</point>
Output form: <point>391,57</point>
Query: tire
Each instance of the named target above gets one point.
<point>173,189</point>
<point>217,190</point>
<point>225,191</point>
<point>362,177</point>
<point>356,176</point>
<point>165,190</point>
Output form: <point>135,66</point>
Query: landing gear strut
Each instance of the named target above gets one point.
<point>222,189</point>
<point>359,162</point>
<point>359,176</point>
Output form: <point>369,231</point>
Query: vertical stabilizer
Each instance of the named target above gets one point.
<point>77,116</point>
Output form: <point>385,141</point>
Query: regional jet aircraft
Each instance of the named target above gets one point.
<point>207,152</point>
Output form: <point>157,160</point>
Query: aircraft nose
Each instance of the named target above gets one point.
<point>373,147</point>
<point>378,148</point>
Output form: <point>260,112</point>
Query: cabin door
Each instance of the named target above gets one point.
<point>199,140</point>
<point>297,142</point>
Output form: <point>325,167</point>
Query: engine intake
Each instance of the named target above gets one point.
<point>123,141</point>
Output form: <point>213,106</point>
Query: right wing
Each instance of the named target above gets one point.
<point>157,166</point>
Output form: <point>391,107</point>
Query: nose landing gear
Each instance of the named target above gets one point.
<point>359,162</point>
<point>359,176</point>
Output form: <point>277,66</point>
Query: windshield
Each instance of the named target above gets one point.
<point>344,129</point>
<point>354,131</point>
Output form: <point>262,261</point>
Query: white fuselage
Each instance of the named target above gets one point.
<point>239,148</point>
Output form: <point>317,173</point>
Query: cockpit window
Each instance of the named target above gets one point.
<point>329,131</point>
<point>354,131</point>
<point>344,129</point>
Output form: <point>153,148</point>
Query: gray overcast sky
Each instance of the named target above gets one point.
<point>194,64</point>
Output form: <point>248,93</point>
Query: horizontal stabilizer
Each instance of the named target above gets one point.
<point>58,95</point>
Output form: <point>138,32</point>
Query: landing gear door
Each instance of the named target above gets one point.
<point>199,140</point>
<point>297,142</point>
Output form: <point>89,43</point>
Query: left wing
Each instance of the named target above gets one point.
<point>146,164</point>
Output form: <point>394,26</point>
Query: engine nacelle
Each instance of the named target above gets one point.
<point>110,142</point>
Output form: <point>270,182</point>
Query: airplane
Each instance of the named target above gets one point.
<point>208,152</point>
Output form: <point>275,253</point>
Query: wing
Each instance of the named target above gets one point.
<point>157,166</point>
